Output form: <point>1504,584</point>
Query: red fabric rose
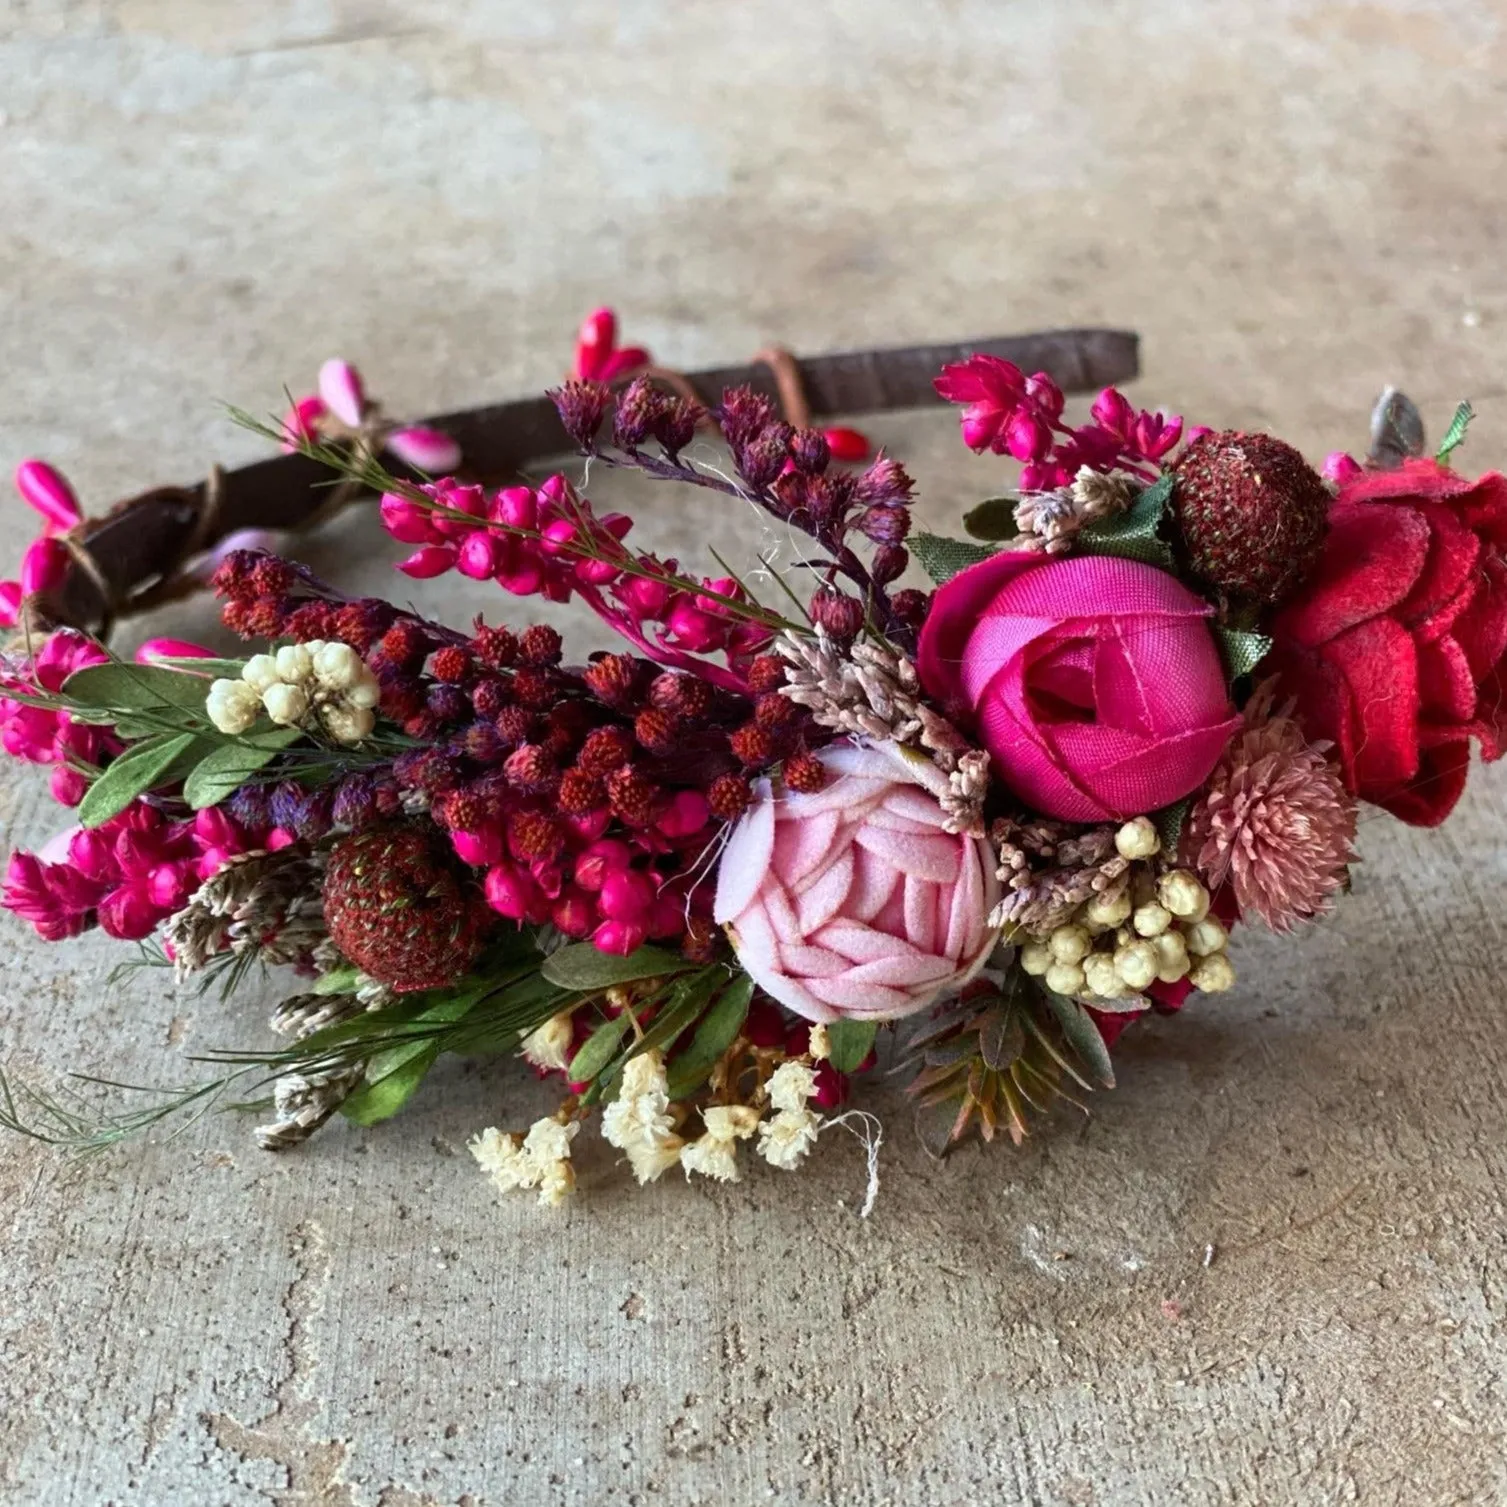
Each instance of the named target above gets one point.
<point>1395,647</point>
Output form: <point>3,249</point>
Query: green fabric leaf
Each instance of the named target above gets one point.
<point>718,1030</point>
<point>851,1041</point>
<point>598,1050</point>
<point>230,765</point>
<point>450,1007</point>
<point>1082,1035</point>
<point>992,519</point>
<point>582,967</point>
<point>1240,649</point>
<point>138,769</point>
<point>1454,436</point>
<point>941,558</point>
<point>1169,824</point>
<point>1134,534</point>
<point>381,1098</point>
<point>216,669</point>
<point>127,688</point>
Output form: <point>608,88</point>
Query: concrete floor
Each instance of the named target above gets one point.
<point>1296,201</point>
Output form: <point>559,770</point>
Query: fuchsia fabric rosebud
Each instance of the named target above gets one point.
<point>1094,681</point>
<point>856,901</point>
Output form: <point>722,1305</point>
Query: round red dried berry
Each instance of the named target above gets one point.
<point>775,711</point>
<point>539,689</point>
<point>400,910</point>
<point>580,793</point>
<point>530,768</point>
<point>405,644</point>
<point>604,750</point>
<point>729,797</point>
<point>911,606</point>
<point>533,836</point>
<point>613,679</point>
<point>766,673</point>
<point>540,646</point>
<point>683,696</point>
<point>805,774</point>
<point>655,730</point>
<point>496,648</point>
<point>632,795</point>
<point>752,745</point>
<point>451,664</point>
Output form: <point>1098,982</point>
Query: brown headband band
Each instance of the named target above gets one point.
<point>145,540</point>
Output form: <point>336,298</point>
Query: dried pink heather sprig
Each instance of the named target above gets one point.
<point>1274,820</point>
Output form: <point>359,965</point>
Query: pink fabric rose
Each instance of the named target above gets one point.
<point>856,901</point>
<point>1094,682</point>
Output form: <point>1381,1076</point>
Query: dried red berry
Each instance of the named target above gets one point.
<point>632,795</point>
<point>729,796</point>
<point>489,696</point>
<point>613,679</point>
<point>775,711</point>
<point>655,730</point>
<point>271,577</point>
<point>264,619</point>
<point>451,664</point>
<point>531,769</point>
<point>684,696</point>
<point>911,606</point>
<point>700,943</point>
<point>580,793</point>
<point>514,724</point>
<point>539,689</point>
<point>805,774</point>
<point>766,673</point>
<point>462,810</point>
<point>532,835</point>
<point>404,645</point>
<point>496,648</point>
<point>605,749</point>
<point>540,646</point>
<point>752,745</point>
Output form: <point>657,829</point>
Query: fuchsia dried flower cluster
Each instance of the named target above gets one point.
<point>1012,414</point>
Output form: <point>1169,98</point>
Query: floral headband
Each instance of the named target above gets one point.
<point>1001,818</point>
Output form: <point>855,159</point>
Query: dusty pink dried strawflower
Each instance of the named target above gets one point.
<point>1274,820</point>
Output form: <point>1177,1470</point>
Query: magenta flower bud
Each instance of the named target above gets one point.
<point>92,853</point>
<point>279,838</point>
<point>301,423</point>
<point>155,650</point>
<point>587,829</point>
<point>644,598</point>
<point>692,630</point>
<point>685,814</point>
<point>509,891</point>
<point>1198,431</point>
<point>667,915</point>
<point>836,612</point>
<point>44,566</point>
<point>212,860</point>
<point>481,848</point>
<point>606,856</point>
<point>471,502</point>
<point>1027,437</point>
<point>127,913</point>
<point>1046,395</point>
<point>406,521</point>
<point>1338,466</point>
<point>1157,433</point>
<point>620,938</point>
<point>45,489</point>
<point>68,786</point>
<point>597,572</point>
<point>1113,413</point>
<point>594,344</point>
<point>10,603</point>
<point>574,914</point>
<point>555,490</point>
<point>169,885</point>
<point>479,555</point>
<point>522,578</point>
<point>430,450</point>
<point>627,895</point>
<point>517,507</point>
<point>216,830</point>
<point>558,536</point>
<point>340,387</point>
<point>433,560</point>
<point>627,359</point>
<point>981,424</point>
<point>846,444</point>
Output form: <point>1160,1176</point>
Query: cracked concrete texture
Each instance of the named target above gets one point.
<point>1296,202</point>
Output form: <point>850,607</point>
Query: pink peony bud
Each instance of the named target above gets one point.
<point>595,863</point>
<point>481,848</point>
<point>510,892</point>
<point>44,566</point>
<point>479,556</point>
<point>157,649</point>
<point>279,838</point>
<point>340,387</point>
<point>574,913</point>
<point>429,450</point>
<point>1046,395</point>
<point>685,815</point>
<point>430,561</point>
<point>68,785</point>
<point>621,362</point>
<point>517,507</point>
<point>45,489</point>
<point>170,884</point>
<point>406,521</point>
<point>1027,437</point>
<point>10,603</point>
<point>128,913</point>
<point>627,895</point>
<point>1157,433</point>
<point>982,423</point>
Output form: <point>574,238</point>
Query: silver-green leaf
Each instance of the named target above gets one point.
<point>136,771</point>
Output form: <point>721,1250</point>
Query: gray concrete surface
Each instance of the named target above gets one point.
<point>1296,201</point>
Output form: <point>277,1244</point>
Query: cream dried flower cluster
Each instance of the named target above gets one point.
<point>1145,928</point>
<point>301,685</point>
<point>643,1123</point>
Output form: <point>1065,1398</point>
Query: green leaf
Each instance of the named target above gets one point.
<point>1134,534</point>
<point>1454,436</point>
<point>1241,650</point>
<point>450,1007</point>
<point>681,1008</point>
<point>992,519</point>
<point>1169,824</point>
<point>942,559</point>
<point>138,769</point>
<point>229,765</point>
<point>718,1030</point>
<point>342,980</point>
<point>132,688</point>
<point>381,1098</point>
<point>216,669</point>
<point>851,1041</point>
<point>582,967</point>
<point>598,1050</point>
<point>1082,1035</point>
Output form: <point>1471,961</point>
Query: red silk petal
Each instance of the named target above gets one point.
<point>1481,629</point>
<point>1380,669</point>
<point>1447,584</point>
<point>1430,796</point>
<point>1446,688</point>
<point>1372,559</point>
